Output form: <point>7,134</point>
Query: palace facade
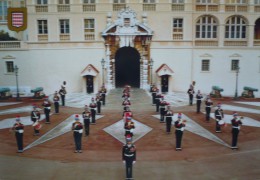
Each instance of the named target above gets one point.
<point>170,43</point>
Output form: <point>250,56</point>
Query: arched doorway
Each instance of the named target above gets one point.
<point>127,67</point>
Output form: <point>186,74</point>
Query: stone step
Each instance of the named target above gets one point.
<point>139,98</point>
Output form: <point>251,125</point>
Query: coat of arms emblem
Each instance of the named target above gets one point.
<point>17,19</point>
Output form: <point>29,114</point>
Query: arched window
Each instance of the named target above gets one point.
<point>235,28</point>
<point>257,29</point>
<point>206,27</point>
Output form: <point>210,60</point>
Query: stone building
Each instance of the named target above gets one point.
<point>170,43</point>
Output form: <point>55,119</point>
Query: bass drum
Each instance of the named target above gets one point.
<point>221,122</point>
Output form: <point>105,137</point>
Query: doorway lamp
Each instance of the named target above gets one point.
<point>151,70</point>
<point>103,69</point>
<point>16,70</point>
<point>237,72</point>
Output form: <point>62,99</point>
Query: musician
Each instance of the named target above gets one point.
<point>127,113</point>
<point>190,93</point>
<point>208,104</point>
<point>56,100</point>
<point>129,158</point>
<point>103,92</point>
<point>93,107</point>
<point>168,118</point>
<point>18,128</point>
<point>126,103</point>
<point>179,128</point>
<point>129,127</point>
<point>35,118</point>
<point>236,123</point>
<point>163,105</point>
<point>47,109</point>
<point>98,101</point>
<point>157,100</point>
<point>77,129</point>
<point>154,91</point>
<point>126,95</point>
<point>199,98</point>
<point>219,115</point>
<point>86,115</point>
<point>62,93</point>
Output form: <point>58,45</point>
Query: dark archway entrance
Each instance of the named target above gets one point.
<point>127,67</point>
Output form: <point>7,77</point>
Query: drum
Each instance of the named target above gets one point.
<point>221,122</point>
<point>37,125</point>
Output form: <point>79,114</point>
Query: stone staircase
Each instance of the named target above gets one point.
<point>140,100</point>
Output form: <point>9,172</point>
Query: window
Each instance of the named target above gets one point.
<point>177,1</point>
<point>236,1</point>
<point>89,1</point>
<point>119,1</point>
<point>89,29</point>
<point>206,1</point>
<point>234,64</point>
<point>149,1</point>
<point>64,26</point>
<point>177,25</point>
<point>42,2</point>
<point>9,66</point>
<point>42,27</point>
<point>235,28</point>
<point>64,1</point>
<point>206,27</point>
<point>205,65</point>
<point>177,29</point>
<point>257,2</point>
<point>3,10</point>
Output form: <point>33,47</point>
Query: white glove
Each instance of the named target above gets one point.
<point>134,162</point>
<point>124,162</point>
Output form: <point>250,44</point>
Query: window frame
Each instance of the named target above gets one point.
<point>203,61</point>
<point>8,69</point>
<point>234,65</point>
<point>65,27</point>
<point>233,30</point>
<point>43,26</point>
<point>206,30</point>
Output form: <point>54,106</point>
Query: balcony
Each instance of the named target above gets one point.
<point>149,7</point>
<point>63,8</point>
<point>207,42</point>
<point>41,8</point>
<point>89,37</point>
<point>236,8</point>
<point>257,42</point>
<point>64,37</point>
<point>10,44</point>
<point>42,37</point>
<point>119,7</point>
<point>89,7</point>
<point>257,8</point>
<point>229,42</point>
<point>178,7</point>
<point>205,7</point>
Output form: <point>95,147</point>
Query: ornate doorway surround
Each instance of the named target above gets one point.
<point>127,31</point>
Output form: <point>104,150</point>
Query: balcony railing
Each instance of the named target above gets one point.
<point>64,37</point>
<point>149,7</point>
<point>235,43</point>
<point>119,7</point>
<point>257,42</point>
<point>236,8</point>
<point>257,8</point>
<point>63,8</point>
<point>206,42</point>
<point>89,7</point>
<point>177,7</point>
<point>42,37</point>
<point>10,44</point>
<point>177,36</point>
<point>41,8</point>
<point>89,37</point>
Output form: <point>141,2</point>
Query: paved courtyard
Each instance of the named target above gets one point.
<point>205,155</point>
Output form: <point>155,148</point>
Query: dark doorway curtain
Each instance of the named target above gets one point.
<point>165,83</point>
<point>90,84</point>
<point>127,67</point>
